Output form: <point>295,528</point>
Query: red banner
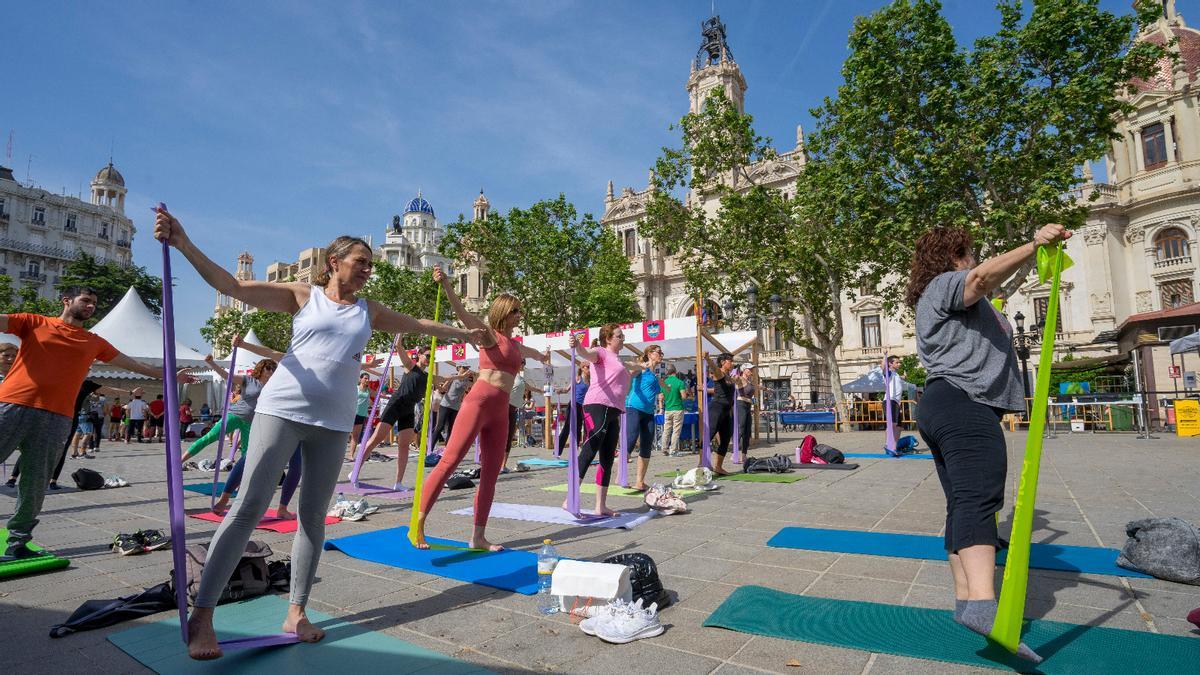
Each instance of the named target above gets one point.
<point>458,352</point>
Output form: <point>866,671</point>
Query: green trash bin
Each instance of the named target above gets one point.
<point>1122,417</point>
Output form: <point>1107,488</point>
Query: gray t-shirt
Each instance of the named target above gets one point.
<point>969,347</point>
<point>244,408</point>
<point>453,397</point>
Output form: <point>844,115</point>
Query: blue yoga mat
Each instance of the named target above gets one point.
<point>508,570</point>
<point>158,647</point>
<point>206,488</point>
<point>884,455</point>
<point>1085,559</point>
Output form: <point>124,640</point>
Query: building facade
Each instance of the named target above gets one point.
<point>1133,257</point>
<point>41,232</point>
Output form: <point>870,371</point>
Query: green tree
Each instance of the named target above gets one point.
<point>406,291</point>
<point>787,246</point>
<point>911,370</point>
<point>274,329</point>
<point>566,268</point>
<point>924,133</point>
<point>111,281</point>
<point>25,298</point>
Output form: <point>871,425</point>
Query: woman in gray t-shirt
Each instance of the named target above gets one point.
<point>965,345</point>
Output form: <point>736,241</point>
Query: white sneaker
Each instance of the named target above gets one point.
<point>364,508</point>
<point>636,624</point>
<point>591,624</point>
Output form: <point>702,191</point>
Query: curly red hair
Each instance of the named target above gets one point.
<point>936,252</point>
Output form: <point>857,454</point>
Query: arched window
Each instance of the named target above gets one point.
<point>1171,243</point>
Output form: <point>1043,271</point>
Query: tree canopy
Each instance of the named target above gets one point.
<point>567,269</point>
<point>111,281</point>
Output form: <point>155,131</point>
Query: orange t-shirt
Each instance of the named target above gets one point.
<point>52,362</point>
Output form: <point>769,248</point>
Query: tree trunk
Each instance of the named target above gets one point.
<point>835,382</point>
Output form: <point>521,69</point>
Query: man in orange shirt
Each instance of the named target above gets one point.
<point>37,399</point>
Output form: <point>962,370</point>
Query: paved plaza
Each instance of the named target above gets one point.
<point>1091,486</point>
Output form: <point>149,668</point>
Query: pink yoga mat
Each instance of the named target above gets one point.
<point>269,521</point>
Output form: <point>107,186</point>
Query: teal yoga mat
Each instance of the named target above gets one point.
<point>1084,559</point>
<point>206,488</point>
<point>933,634</point>
<point>158,647</point>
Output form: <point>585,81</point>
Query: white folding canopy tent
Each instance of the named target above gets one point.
<point>134,330</point>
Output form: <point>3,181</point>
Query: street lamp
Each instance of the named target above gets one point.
<point>1022,342</point>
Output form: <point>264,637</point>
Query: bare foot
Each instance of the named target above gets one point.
<point>605,511</point>
<point>420,538</point>
<point>721,472</point>
<point>202,639</point>
<point>303,628</point>
<point>221,506</point>
<point>282,513</point>
<point>484,545</point>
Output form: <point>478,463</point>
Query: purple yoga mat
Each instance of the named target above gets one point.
<point>705,434</point>
<point>175,472</point>
<point>889,443</point>
<point>366,434</point>
<point>737,432</point>
<point>573,458</point>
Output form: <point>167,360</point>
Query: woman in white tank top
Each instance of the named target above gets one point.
<point>309,402</point>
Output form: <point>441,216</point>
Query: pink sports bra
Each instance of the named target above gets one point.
<point>504,356</point>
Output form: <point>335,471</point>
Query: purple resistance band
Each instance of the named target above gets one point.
<point>366,434</point>
<point>702,391</point>
<point>889,443</point>
<point>737,430</point>
<point>623,463</point>
<point>175,473</point>
<point>573,459</point>
<point>224,418</point>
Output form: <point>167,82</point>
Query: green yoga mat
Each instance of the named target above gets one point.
<point>158,647</point>
<point>753,477</point>
<point>616,490</point>
<point>17,568</point>
<point>933,634</point>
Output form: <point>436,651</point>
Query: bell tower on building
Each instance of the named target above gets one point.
<point>714,67</point>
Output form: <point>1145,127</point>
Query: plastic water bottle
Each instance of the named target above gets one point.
<point>341,498</point>
<point>547,560</point>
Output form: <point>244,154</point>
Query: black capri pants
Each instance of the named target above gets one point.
<point>603,431</point>
<point>971,457</point>
<point>720,422</point>
<point>640,425</point>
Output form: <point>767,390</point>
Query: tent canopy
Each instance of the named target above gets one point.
<point>676,337</point>
<point>872,383</point>
<point>134,330</point>
<point>1186,343</point>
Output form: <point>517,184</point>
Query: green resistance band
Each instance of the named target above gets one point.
<point>1006,629</point>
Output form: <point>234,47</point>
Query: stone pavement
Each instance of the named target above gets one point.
<point>1091,485</point>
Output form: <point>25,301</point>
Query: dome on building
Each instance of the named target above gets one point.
<point>1189,58</point>
<point>109,174</point>
<point>419,205</point>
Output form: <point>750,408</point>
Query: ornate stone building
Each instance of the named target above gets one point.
<point>1134,262</point>
<point>40,232</point>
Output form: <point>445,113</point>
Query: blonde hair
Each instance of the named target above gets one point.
<point>261,366</point>
<point>338,248</point>
<point>650,350</point>
<point>502,306</point>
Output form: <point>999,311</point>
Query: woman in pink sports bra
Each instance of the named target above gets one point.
<point>484,411</point>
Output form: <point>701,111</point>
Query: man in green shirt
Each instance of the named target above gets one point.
<point>674,391</point>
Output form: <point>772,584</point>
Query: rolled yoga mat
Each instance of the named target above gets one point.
<point>933,634</point>
<point>557,516</point>
<point>17,568</point>
<point>1084,559</point>
<point>508,569</point>
<point>156,646</point>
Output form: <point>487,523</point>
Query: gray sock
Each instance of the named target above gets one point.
<point>979,615</point>
<point>959,606</point>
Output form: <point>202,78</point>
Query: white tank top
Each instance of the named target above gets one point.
<point>315,381</point>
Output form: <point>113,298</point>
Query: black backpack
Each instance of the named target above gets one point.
<point>772,464</point>
<point>251,578</point>
<point>830,454</point>
<point>643,577</point>
<point>103,613</point>
<point>86,479</point>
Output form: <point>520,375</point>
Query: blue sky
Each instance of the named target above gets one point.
<point>275,126</point>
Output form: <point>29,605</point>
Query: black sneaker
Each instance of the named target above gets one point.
<point>11,482</point>
<point>153,540</point>
<point>127,544</point>
<point>21,552</point>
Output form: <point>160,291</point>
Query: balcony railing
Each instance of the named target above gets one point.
<point>38,249</point>
<point>872,351</point>
<point>122,243</point>
<point>102,235</point>
<point>1173,262</point>
<point>26,275</point>
<point>36,222</point>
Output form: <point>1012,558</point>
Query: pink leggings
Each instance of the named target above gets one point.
<point>484,412</point>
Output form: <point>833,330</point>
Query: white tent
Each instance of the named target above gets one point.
<point>134,330</point>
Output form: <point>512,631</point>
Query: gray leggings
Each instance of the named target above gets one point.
<point>272,442</point>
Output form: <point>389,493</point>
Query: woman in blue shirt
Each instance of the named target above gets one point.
<point>640,406</point>
<point>583,379</point>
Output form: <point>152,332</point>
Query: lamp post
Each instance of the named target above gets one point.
<point>1022,342</point>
